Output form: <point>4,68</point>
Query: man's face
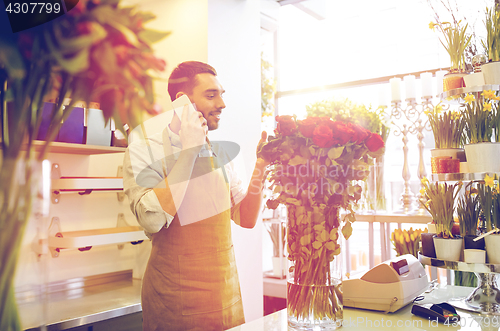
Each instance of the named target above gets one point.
<point>207,96</point>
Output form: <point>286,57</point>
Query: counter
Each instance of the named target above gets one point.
<point>403,319</point>
<point>87,305</point>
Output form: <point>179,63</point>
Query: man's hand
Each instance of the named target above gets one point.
<point>193,130</point>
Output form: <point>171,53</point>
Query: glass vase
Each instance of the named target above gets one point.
<point>314,277</point>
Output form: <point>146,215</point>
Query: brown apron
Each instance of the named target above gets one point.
<point>191,281</point>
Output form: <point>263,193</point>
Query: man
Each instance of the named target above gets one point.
<point>185,203</point>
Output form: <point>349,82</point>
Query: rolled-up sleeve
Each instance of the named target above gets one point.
<point>139,179</point>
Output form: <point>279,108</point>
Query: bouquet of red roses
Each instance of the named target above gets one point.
<point>314,166</point>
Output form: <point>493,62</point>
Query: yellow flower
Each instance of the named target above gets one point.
<point>422,191</point>
<point>488,94</point>
<point>489,181</point>
<point>469,98</point>
<point>438,109</point>
<point>487,106</point>
<point>424,180</point>
<point>432,26</point>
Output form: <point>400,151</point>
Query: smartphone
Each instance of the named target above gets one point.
<point>179,103</point>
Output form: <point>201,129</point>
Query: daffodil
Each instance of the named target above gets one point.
<point>422,191</point>
<point>438,109</point>
<point>469,98</point>
<point>489,181</point>
<point>488,94</point>
<point>432,26</point>
<point>487,106</point>
<point>424,180</point>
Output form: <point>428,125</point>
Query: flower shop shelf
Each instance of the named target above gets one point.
<point>393,218</point>
<point>463,90</point>
<point>85,239</point>
<point>68,148</point>
<point>67,184</point>
<point>462,176</point>
<point>485,298</point>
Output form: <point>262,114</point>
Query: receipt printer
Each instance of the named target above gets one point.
<point>388,286</point>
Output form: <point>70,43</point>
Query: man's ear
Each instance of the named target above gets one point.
<point>179,94</point>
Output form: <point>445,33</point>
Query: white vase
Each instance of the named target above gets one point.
<point>491,73</point>
<point>483,157</point>
<point>448,249</point>
<point>474,79</point>
<point>493,248</point>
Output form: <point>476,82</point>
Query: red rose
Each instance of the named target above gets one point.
<point>360,133</point>
<point>322,136</point>
<point>307,126</point>
<point>341,132</point>
<point>286,125</point>
<point>374,142</point>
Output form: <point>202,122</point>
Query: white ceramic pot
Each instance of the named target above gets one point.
<point>493,248</point>
<point>448,249</point>
<point>474,255</point>
<point>474,79</point>
<point>483,157</point>
<point>491,72</point>
<point>455,153</point>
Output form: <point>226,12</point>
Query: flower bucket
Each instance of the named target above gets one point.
<point>474,79</point>
<point>491,73</point>
<point>455,153</point>
<point>314,280</point>
<point>448,249</point>
<point>483,157</point>
<point>493,248</point>
<point>453,81</point>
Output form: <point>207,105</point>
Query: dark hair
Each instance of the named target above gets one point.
<point>183,78</point>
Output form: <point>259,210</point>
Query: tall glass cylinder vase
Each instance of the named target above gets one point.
<point>314,277</point>
<point>376,189</point>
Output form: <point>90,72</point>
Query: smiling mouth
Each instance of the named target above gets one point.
<point>216,115</point>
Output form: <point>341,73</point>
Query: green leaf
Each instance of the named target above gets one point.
<point>106,58</point>
<point>347,230</point>
<point>127,33</point>
<point>297,159</point>
<point>305,152</point>
<point>76,44</point>
<point>317,245</point>
<point>152,36</point>
<point>11,60</point>
<point>73,65</point>
<point>335,152</point>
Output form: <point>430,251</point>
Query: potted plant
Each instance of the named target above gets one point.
<point>455,40</point>
<point>468,210</point>
<point>439,200</point>
<point>481,116</point>
<point>490,207</point>
<point>447,127</point>
<point>98,51</point>
<point>491,69</point>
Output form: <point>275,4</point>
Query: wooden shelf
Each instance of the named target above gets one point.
<point>67,148</point>
<point>97,237</point>
<point>66,184</point>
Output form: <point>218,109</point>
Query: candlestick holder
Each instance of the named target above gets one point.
<point>411,119</point>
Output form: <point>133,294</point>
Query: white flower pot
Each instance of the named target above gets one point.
<point>448,249</point>
<point>474,79</point>
<point>483,157</point>
<point>474,255</point>
<point>491,73</point>
<point>493,248</point>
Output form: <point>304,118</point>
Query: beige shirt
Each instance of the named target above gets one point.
<point>144,169</point>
